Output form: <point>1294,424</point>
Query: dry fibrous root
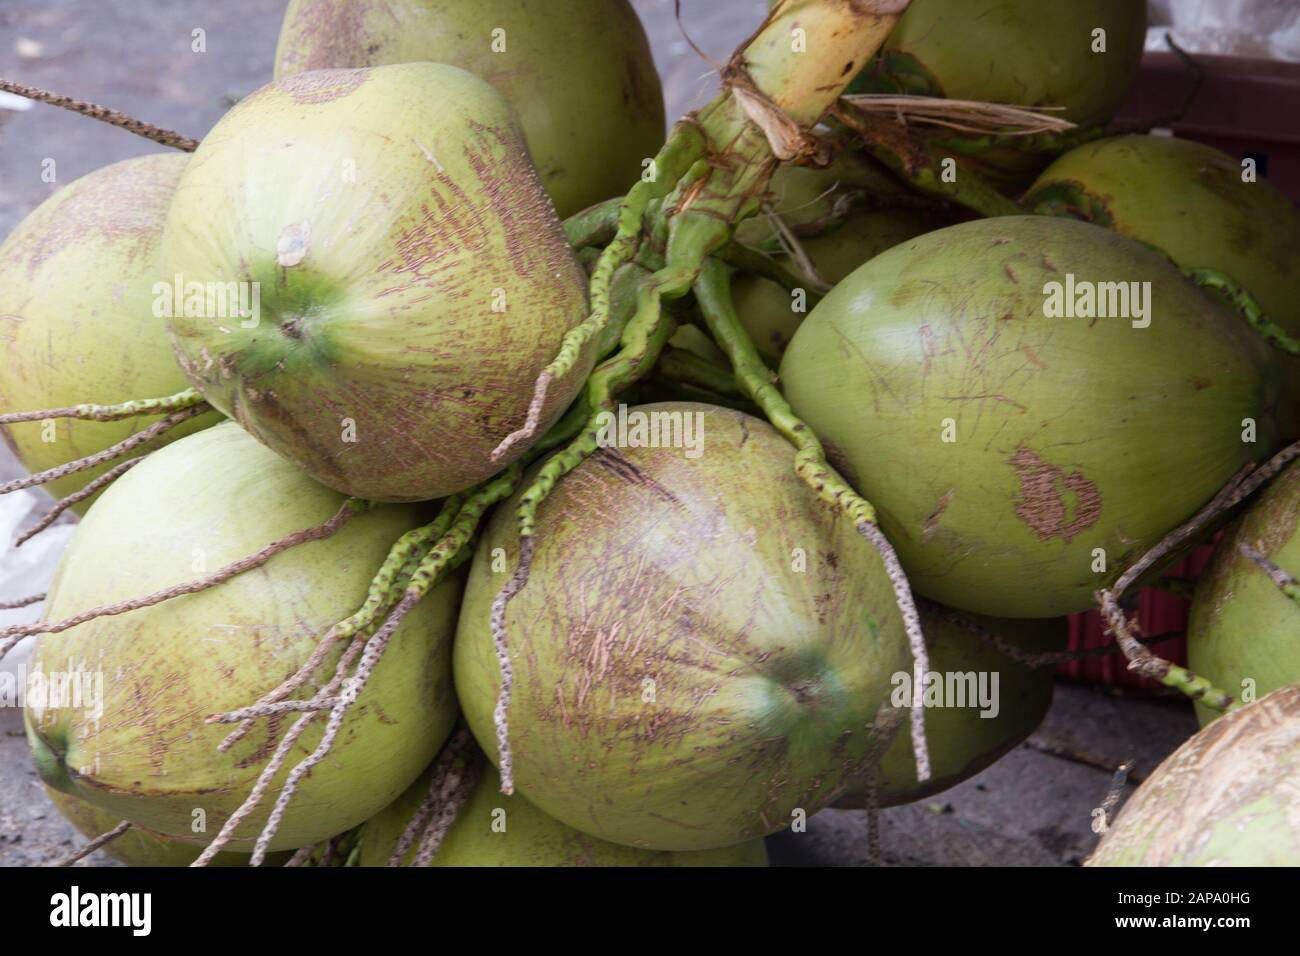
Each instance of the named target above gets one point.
<point>303,855</point>
<point>1040,660</point>
<point>1245,483</point>
<point>177,409</point>
<point>418,561</point>
<point>455,773</point>
<point>10,636</point>
<point>884,728</point>
<point>101,841</point>
<point>1057,748</point>
<point>1117,784</point>
<point>1286,581</point>
<point>108,454</point>
<point>150,132</point>
<point>63,504</point>
<point>1002,121</point>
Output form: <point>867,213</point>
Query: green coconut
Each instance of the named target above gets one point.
<point>1015,52</point>
<point>1244,631</point>
<point>414,280</point>
<point>1019,461</point>
<point>771,315</point>
<point>702,648</point>
<point>139,747</point>
<point>806,196</point>
<point>808,200</point>
<point>579,74</point>
<point>139,847</point>
<point>1190,201</point>
<point>492,829</point>
<point>966,734</point>
<point>1227,797</point>
<point>77,322</point>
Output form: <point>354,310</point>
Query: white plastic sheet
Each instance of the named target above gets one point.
<point>1262,29</point>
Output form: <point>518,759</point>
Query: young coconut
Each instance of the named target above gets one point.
<point>1197,205</point>
<point>1080,57</point>
<point>992,688</point>
<point>76,318</point>
<point>578,74</point>
<point>145,751</point>
<point>414,280</point>
<point>772,314</point>
<point>1227,797</point>
<point>492,829</point>
<point>1244,630</point>
<point>704,647</point>
<point>137,846</point>
<point>1019,451</point>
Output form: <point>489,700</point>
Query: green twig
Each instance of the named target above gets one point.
<point>908,155</point>
<point>713,292</point>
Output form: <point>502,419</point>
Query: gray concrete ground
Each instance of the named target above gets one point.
<point>1029,809</point>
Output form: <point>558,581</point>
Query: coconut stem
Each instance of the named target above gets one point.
<point>677,158</point>
<point>595,226</point>
<point>713,292</point>
<point>108,454</point>
<point>643,340</point>
<point>1240,487</point>
<point>352,506</point>
<point>111,413</point>
<point>680,365</point>
<point>774,92</point>
<point>150,132</point>
<point>1247,306</point>
<point>1285,581</point>
<point>64,504</point>
<point>760,263</point>
<point>103,840</point>
<point>908,155</point>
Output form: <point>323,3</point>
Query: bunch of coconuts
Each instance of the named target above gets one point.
<point>379,568</point>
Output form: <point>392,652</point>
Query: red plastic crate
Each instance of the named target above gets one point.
<point>1244,108</point>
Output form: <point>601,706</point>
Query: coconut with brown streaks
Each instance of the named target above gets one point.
<point>412,277</point>
<point>579,74</point>
<point>703,649</point>
<point>1020,453</point>
<point>76,315</point>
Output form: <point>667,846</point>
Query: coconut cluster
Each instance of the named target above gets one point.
<point>422,526</point>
